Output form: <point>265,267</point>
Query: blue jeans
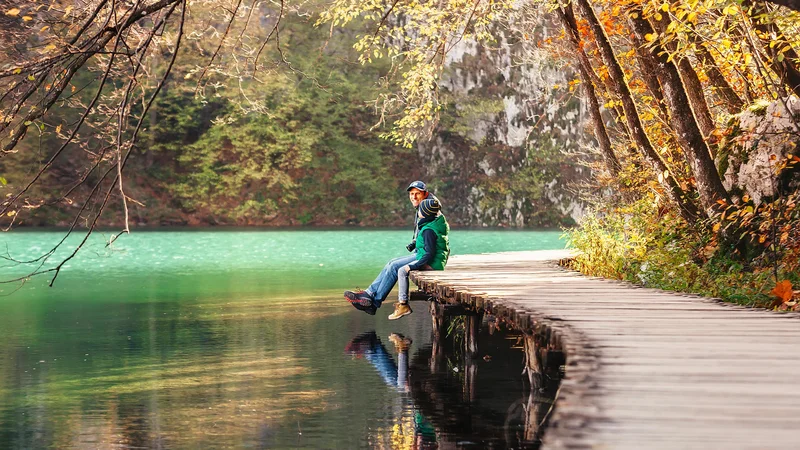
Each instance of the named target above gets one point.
<point>402,283</point>
<point>386,280</point>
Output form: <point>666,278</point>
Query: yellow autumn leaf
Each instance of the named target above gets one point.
<point>13,12</point>
<point>12,213</point>
<point>650,37</point>
<point>58,129</point>
<point>50,47</point>
<point>27,18</point>
<point>44,28</point>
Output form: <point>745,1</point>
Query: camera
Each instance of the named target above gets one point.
<point>410,247</point>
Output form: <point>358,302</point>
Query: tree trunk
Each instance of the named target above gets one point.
<point>694,88</point>
<point>690,138</point>
<point>585,70</point>
<point>648,73</point>
<point>767,32</point>
<point>687,208</point>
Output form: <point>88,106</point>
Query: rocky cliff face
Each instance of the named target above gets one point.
<point>500,154</point>
<point>765,135</point>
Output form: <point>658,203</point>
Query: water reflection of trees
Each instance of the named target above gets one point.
<point>482,386</point>
<point>162,374</point>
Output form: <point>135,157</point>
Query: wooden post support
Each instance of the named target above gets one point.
<point>439,331</point>
<point>471,330</point>
<point>533,363</point>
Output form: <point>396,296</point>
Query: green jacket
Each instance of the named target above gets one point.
<point>441,228</point>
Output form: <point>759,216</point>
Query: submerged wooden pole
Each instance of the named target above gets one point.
<point>472,326</point>
<point>533,368</point>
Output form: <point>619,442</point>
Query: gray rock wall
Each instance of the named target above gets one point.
<point>766,134</point>
<point>500,156</point>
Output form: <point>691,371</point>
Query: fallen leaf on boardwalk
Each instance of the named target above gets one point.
<point>783,290</point>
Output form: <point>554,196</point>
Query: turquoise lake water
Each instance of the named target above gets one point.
<point>220,339</point>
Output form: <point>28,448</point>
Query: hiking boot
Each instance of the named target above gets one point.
<point>371,309</point>
<point>360,297</point>
<point>400,342</point>
<point>400,310</point>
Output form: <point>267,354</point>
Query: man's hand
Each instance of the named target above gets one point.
<point>410,247</point>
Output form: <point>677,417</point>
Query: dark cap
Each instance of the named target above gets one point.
<point>417,184</point>
<point>429,207</point>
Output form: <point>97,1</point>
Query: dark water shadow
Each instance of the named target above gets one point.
<point>475,386</point>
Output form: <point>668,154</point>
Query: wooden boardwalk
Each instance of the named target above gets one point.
<point>646,369</point>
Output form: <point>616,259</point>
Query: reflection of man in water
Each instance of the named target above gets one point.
<point>369,346</point>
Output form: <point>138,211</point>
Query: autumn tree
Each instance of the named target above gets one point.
<point>78,82</point>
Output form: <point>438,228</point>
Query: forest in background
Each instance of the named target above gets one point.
<point>693,106</point>
<point>293,145</point>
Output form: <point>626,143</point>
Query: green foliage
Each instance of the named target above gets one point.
<point>637,244</point>
<point>303,155</point>
<point>463,113</point>
<point>416,44</point>
<point>541,168</point>
<point>246,160</point>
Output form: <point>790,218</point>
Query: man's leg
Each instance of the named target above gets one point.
<point>386,280</point>
<point>402,283</point>
<point>401,308</point>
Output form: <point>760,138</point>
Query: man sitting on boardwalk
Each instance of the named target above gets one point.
<point>417,192</point>
<point>433,248</point>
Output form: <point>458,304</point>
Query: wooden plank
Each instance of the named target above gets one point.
<point>645,368</point>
